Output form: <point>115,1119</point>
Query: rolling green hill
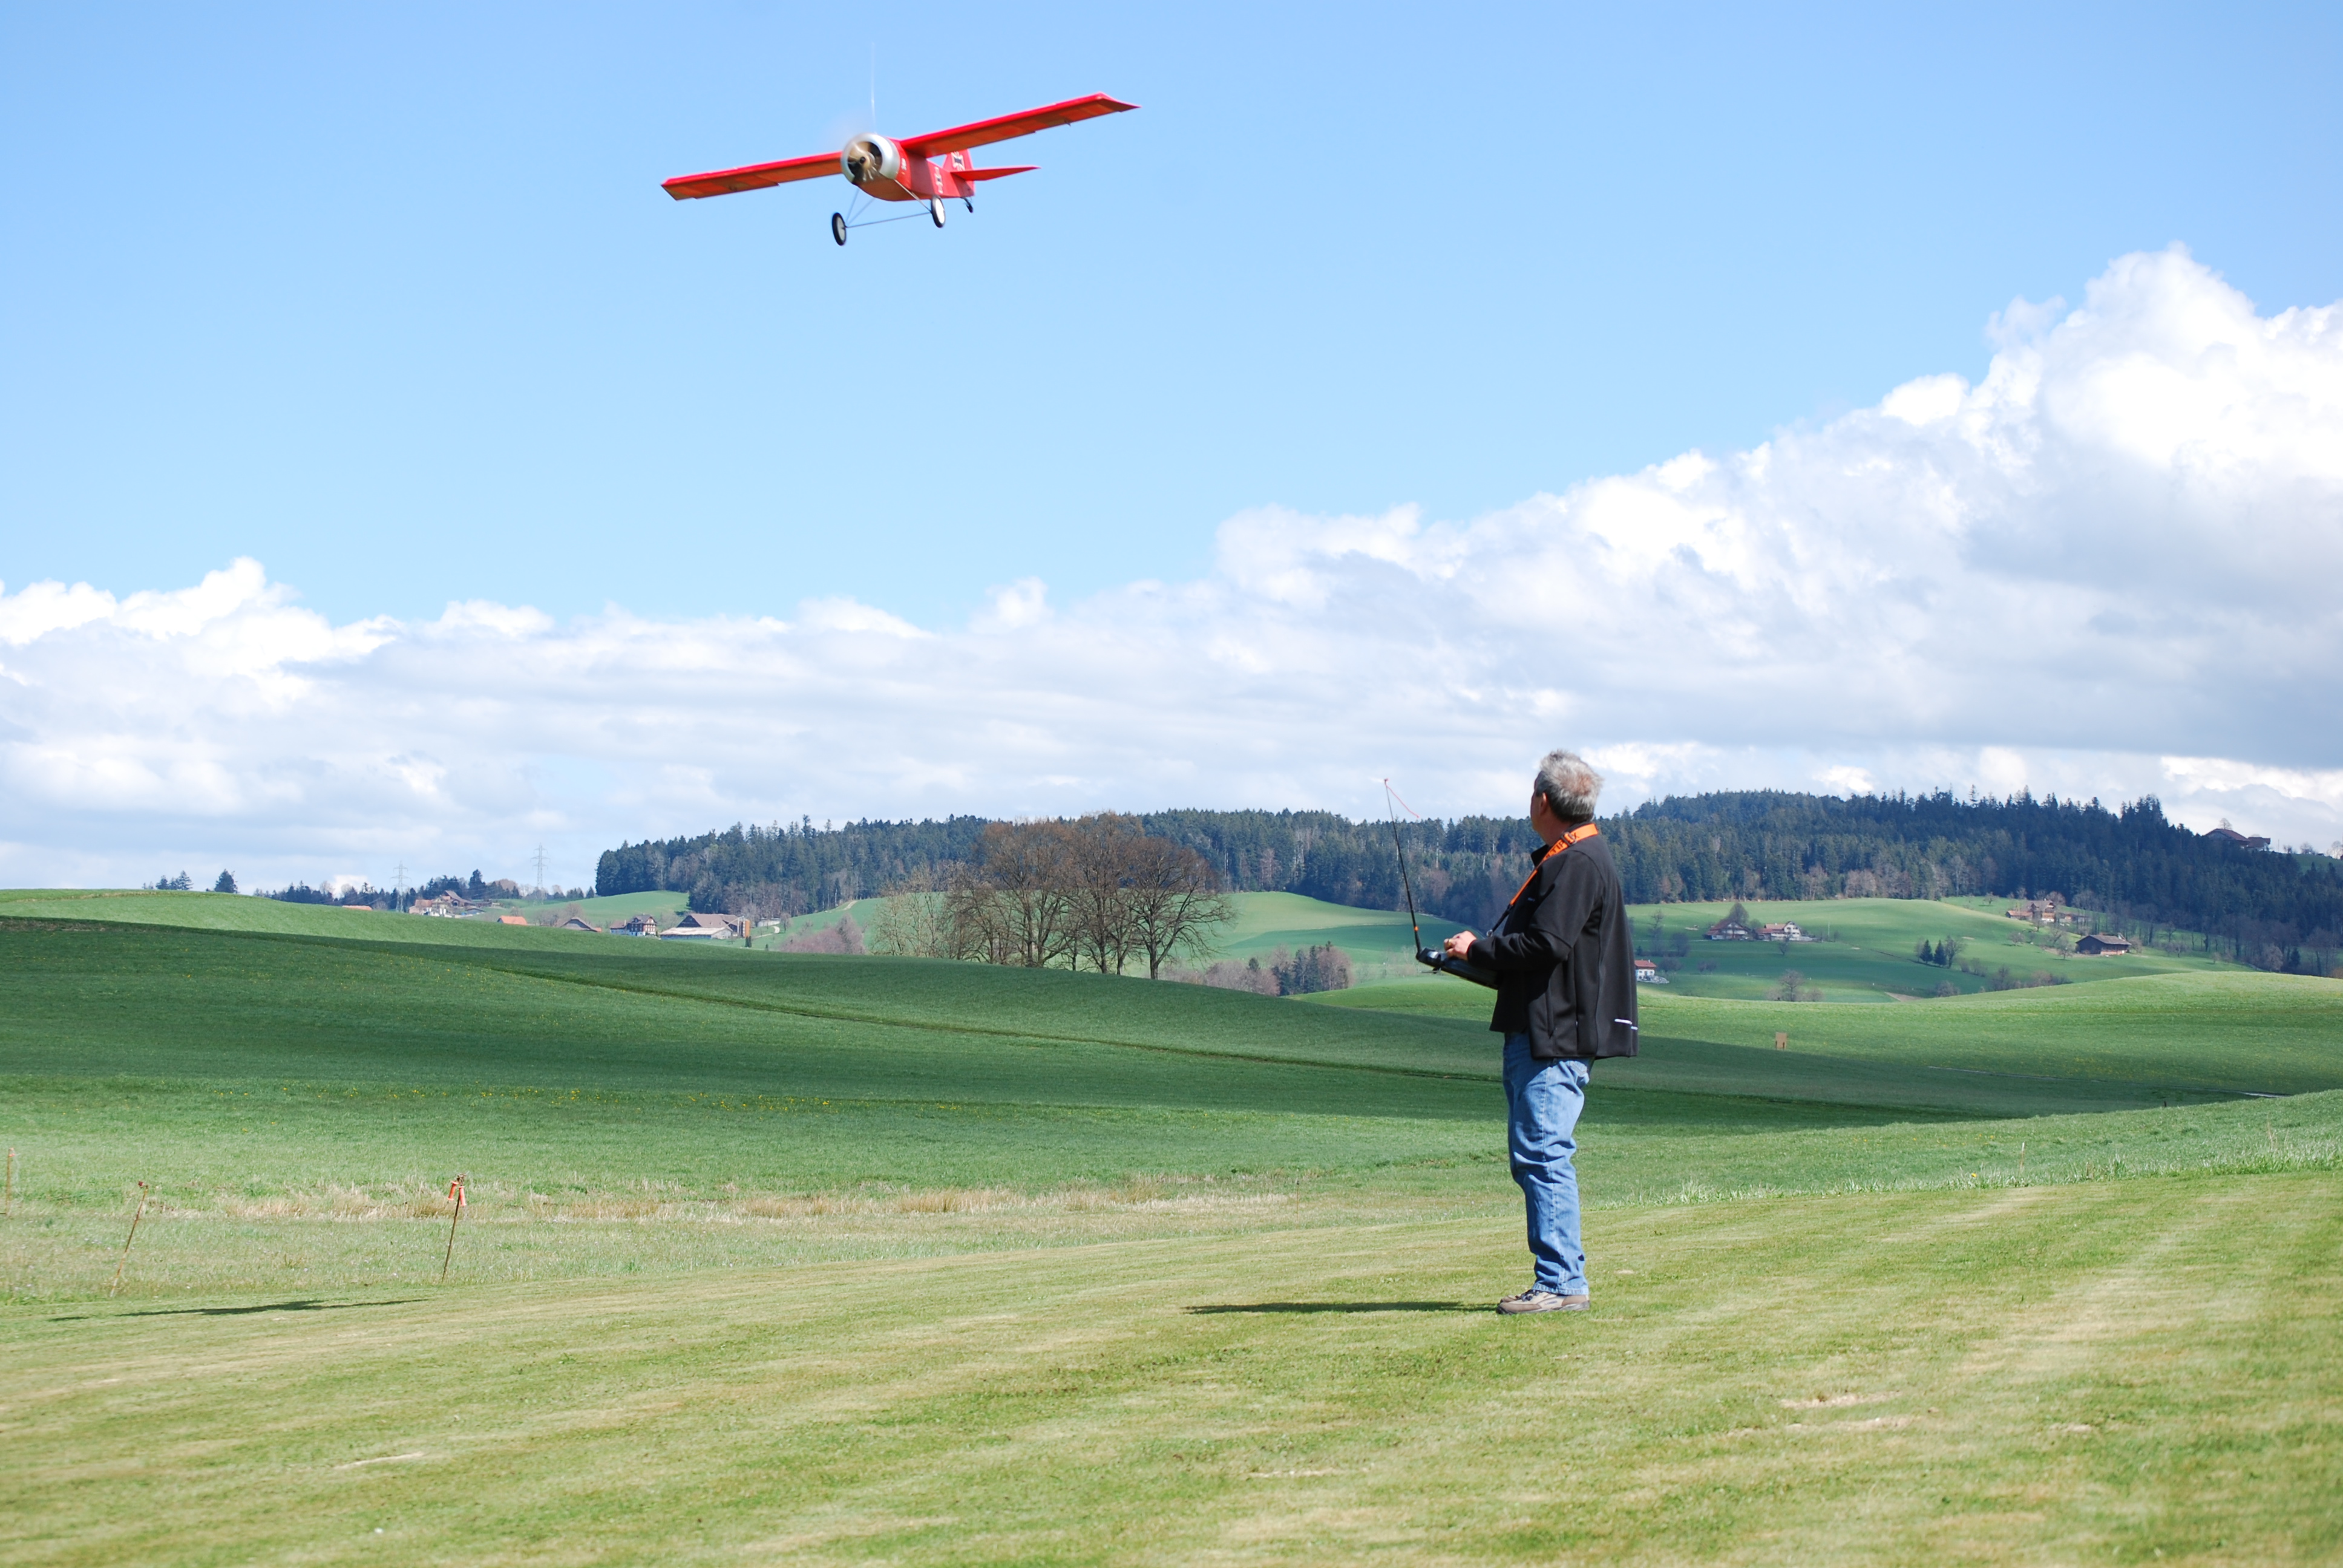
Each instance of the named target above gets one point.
<point>1866,950</point>
<point>2239,1034</point>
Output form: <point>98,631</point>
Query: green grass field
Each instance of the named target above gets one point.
<point>776,1257</point>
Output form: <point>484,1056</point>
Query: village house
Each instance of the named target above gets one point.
<point>579,923</point>
<point>2097,943</point>
<point>1786,931</point>
<point>1731,931</point>
<point>1648,972</point>
<point>2229,835</point>
<point>637,926</point>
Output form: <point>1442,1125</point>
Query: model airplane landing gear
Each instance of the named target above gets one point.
<point>884,169</point>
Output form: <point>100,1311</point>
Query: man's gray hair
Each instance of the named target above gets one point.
<point>1570,786</point>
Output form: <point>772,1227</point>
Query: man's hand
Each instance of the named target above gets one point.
<point>1458,946</point>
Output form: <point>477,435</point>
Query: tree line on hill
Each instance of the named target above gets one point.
<point>2136,870</point>
<point>366,895</point>
<point>792,869</point>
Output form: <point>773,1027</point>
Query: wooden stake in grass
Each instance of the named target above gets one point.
<point>1780,1040</point>
<point>127,1240</point>
<point>455,1192</point>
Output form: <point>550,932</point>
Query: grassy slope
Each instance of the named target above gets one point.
<point>904,1261</point>
<point>1378,941</point>
<point>235,1068</point>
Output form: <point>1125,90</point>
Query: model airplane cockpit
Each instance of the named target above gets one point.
<point>934,168</point>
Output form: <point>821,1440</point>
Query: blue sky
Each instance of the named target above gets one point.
<point>1808,397</point>
<point>390,298</point>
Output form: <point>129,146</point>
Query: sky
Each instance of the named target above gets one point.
<point>392,476</point>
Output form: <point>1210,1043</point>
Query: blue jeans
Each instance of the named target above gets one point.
<point>1543,1100</point>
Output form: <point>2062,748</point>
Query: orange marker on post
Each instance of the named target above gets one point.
<point>455,1192</point>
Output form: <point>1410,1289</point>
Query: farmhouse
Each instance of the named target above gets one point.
<point>2228,835</point>
<point>1786,932</point>
<point>2097,943</point>
<point>1648,972</point>
<point>1731,931</point>
<point>579,923</point>
<point>512,919</point>
<point>697,927</point>
<point>637,926</point>
<point>696,924</point>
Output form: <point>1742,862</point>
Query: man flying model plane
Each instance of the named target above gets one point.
<point>1563,962</point>
<point>933,168</point>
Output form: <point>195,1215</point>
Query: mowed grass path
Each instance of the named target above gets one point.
<point>2125,1371</point>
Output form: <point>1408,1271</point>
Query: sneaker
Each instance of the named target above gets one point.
<point>1537,1299</point>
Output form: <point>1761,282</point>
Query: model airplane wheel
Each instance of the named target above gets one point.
<point>935,210</point>
<point>968,202</point>
<point>838,227</point>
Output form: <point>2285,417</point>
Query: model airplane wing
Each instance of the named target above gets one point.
<point>1002,129</point>
<point>753,176</point>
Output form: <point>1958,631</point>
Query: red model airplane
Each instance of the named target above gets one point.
<point>931,168</point>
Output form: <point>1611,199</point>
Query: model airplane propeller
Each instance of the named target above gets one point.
<point>934,168</point>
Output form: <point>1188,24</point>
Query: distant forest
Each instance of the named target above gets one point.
<point>2142,872</point>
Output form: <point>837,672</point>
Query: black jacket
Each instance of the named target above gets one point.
<point>1564,958</point>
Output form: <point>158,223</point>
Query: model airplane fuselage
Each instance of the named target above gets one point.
<point>933,168</point>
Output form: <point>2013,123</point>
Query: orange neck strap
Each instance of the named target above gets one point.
<point>1583,830</point>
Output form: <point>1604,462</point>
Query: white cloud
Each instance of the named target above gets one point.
<point>2105,569</point>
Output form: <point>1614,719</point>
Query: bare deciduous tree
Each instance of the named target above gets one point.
<point>1096,893</point>
<point>1105,849</point>
<point>1016,905</point>
<point>1175,901</point>
<point>911,923</point>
